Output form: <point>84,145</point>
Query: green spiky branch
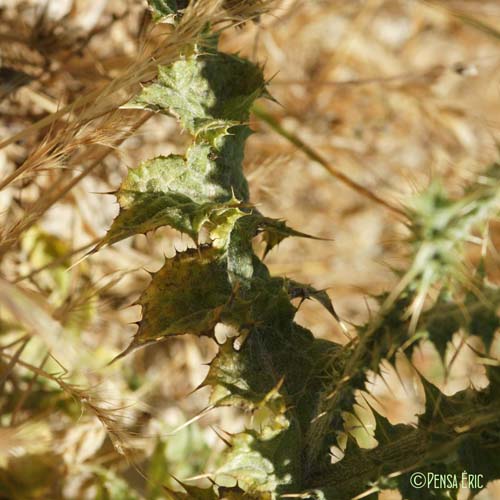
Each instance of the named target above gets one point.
<point>297,387</point>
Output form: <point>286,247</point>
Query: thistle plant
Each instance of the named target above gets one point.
<point>299,388</point>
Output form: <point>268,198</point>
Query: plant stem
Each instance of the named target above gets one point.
<point>314,155</point>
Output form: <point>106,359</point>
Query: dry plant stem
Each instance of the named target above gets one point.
<point>93,99</point>
<point>479,25</point>
<point>98,160</point>
<point>47,201</point>
<point>8,369</point>
<point>83,396</point>
<point>465,18</point>
<point>194,19</point>
<point>74,106</point>
<point>26,393</point>
<point>57,261</point>
<point>314,155</point>
<point>398,78</point>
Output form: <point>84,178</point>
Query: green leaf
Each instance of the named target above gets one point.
<point>240,254</point>
<point>205,91</point>
<point>275,231</point>
<point>483,309</point>
<point>220,169</point>
<point>241,258</point>
<point>385,432</point>
<point>441,409</point>
<point>385,334</point>
<point>305,292</point>
<point>479,317</point>
<point>236,382</point>
<point>263,459</point>
<point>441,322</point>
<point>172,191</point>
<point>187,295</point>
<point>262,466</point>
<point>277,374</point>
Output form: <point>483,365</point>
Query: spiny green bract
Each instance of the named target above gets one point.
<point>299,389</point>
<point>441,226</point>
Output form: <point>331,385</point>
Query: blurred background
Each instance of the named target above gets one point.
<point>391,93</point>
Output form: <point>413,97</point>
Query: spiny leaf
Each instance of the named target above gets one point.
<point>265,459</point>
<point>296,289</point>
<point>263,466</point>
<point>187,295</point>
<point>483,309</point>
<point>240,255</point>
<point>479,317</point>
<point>277,374</point>
<point>385,432</point>
<point>172,191</point>
<point>222,223</point>
<point>440,323</point>
<point>235,382</point>
<point>439,408</point>
<point>275,231</point>
<point>385,334</point>
<point>241,258</point>
<point>221,168</point>
<point>203,89</point>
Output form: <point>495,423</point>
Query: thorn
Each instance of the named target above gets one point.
<point>132,347</point>
<point>79,261</point>
<point>201,414</point>
<point>93,250</point>
<point>224,440</point>
<point>196,389</point>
